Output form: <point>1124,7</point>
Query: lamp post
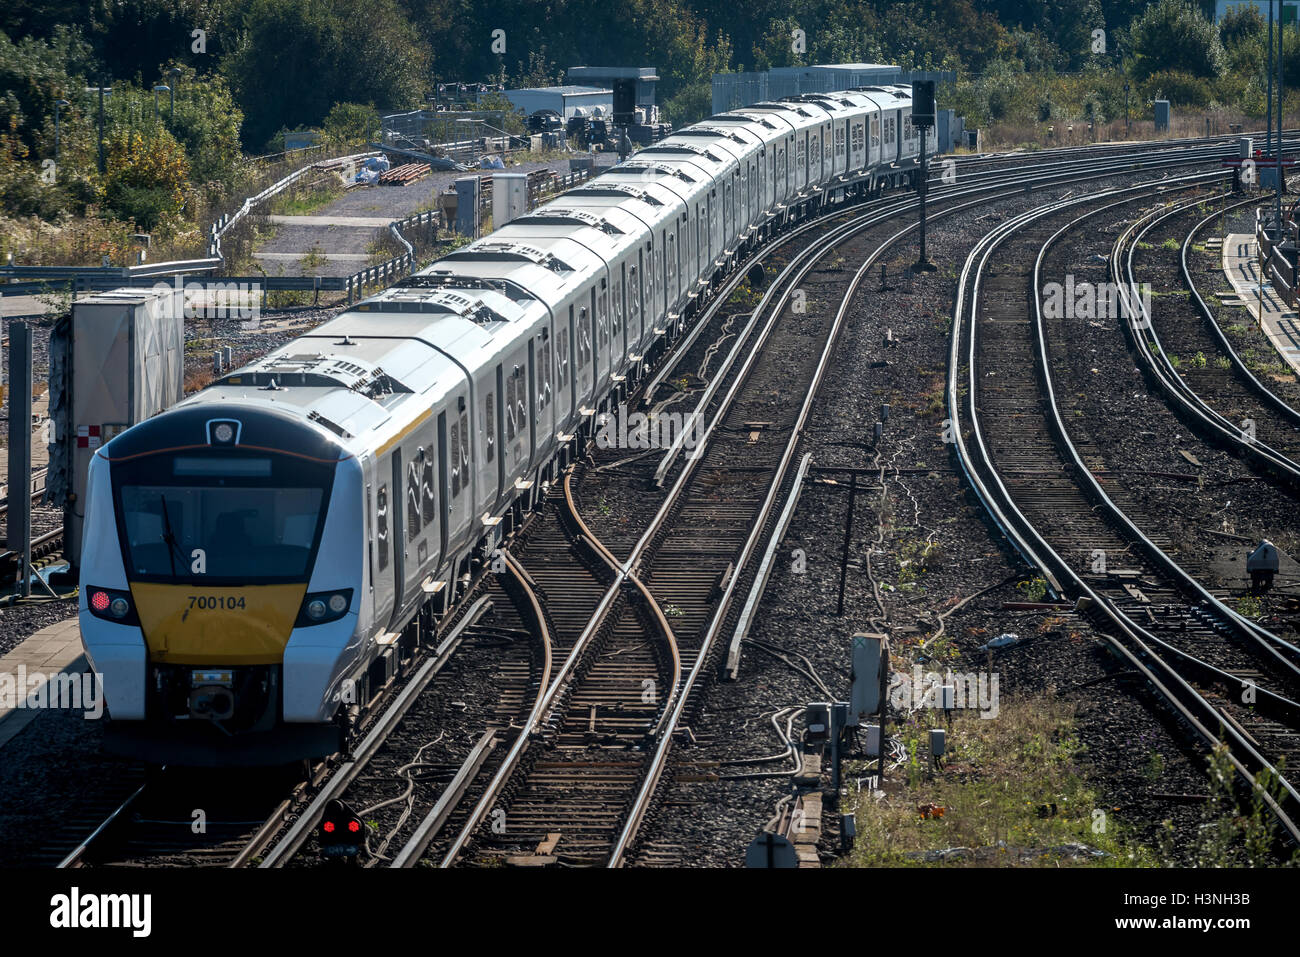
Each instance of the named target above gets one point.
<point>1127,132</point>
<point>58,105</point>
<point>104,89</point>
<point>161,87</point>
<point>175,73</point>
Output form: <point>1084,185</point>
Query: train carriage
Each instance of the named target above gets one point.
<point>262,550</point>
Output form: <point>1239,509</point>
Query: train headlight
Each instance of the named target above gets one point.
<point>321,607</point>
<point>112,605</point>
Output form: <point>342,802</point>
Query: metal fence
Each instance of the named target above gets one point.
<point>223,224</point>
<point>1278,258</point>
<point>37,280</point>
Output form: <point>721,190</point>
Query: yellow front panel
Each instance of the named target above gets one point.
<point>238,626</point>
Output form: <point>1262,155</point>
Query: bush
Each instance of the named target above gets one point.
<point>147,179</point>
<point>1174,36</point>
<point>1178,87</point>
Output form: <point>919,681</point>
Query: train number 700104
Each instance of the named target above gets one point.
<point>205,602</point>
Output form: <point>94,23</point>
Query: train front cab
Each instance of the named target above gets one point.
<point>203,577</point>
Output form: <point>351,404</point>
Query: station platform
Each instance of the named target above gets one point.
<point>55,648</point>
<point>1278,320</point>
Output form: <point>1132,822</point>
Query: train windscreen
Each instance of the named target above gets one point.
<point>220,518</point>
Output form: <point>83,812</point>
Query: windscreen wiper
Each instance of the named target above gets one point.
<point>169,537</point>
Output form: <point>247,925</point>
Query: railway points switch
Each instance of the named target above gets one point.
<point>817,720</point>
<point>938,742</point>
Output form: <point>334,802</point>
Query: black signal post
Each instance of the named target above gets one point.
<point>923,119</point>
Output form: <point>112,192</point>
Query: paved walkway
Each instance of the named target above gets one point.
<point>40,451</point>
<point>54,649</point>
<point>1278,320</point>
<point>362,222</point>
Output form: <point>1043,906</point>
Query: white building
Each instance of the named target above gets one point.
<point>562,99</point>
<point>1290,8</point>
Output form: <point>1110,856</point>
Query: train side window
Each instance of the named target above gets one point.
<point>459,449</point>
<point>509,407</point>
<point>490,426</point>
<point>521,396</point>
<point>414,476</point>
<point>453,449</point>
<point>633,301</point>
<point>428,499</point>
<point>584,338</point>
<point>543,373</point>
<point>562,358</point>
<point>381,525</point>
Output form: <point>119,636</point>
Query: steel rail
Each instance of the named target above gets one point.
<point>346,772</point>
<point>1186,700</point>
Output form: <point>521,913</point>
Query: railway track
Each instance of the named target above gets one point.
<point>1038,485</point>
<point>1186,354</point>
<point>696,554</point>
<point>196,817</point>
<point>693,557</point>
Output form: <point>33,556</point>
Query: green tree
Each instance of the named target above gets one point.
<point>295,59</point>
<point>350,123</point>
<point>1173,36</point>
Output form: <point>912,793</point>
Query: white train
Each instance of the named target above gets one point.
<point>260,551</point>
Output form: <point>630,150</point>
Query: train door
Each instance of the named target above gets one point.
<point>715,225</point>
<point>597,297</point>
<point>701,239</point>
<point>395,533</point>
<point>445,453</point>
<point>635,303</point>
<point>630,332</point>
<point>423,532</point>
<point>543,389</point>
<point>686,236</point>
<point>565,368</point>
<point>514,398</point>
<point>670,267</point>
<point>654,311</point>
<point>728,209</point>
<point>488,436</point>
<point>486,486</point>
<point>617,319</point>
<point>381,545</point>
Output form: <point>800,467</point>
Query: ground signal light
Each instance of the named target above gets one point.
<point>340,832</point>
